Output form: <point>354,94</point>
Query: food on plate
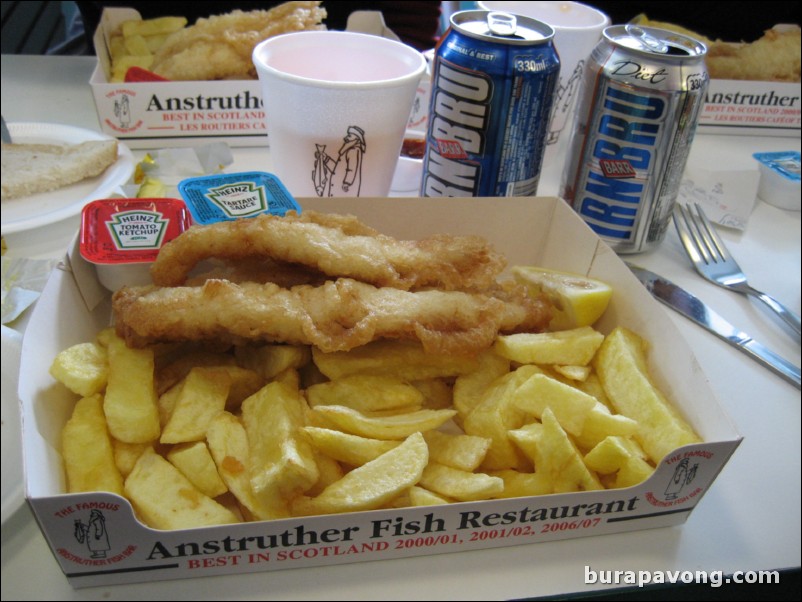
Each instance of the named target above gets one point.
<point>577,300</point>
<point>221,46</point>
<point>334,245</point>
<point>362,397</point>
<point>773,57</point>
<point>32,168</point>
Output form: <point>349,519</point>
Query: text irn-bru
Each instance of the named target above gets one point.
<point>636,117</point>
<point>493,82</point>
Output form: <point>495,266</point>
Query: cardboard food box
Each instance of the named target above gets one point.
<point>752,108</point>
<point>542,231</point>
<point>140,113</point>
<point>147,114</point>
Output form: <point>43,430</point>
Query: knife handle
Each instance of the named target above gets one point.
<point>774,362</point>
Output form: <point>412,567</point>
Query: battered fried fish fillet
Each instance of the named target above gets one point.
<point>774,57</point>
<point>337,246</point>
<point>221,46</point>
<point>336,316</point>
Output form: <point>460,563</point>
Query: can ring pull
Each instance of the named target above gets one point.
<point>502,24</point>
<point>652,43</point>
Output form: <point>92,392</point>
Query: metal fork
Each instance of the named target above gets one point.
<point>713,261</point>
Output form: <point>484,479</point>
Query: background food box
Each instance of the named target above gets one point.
<point>142,114</point>
<point>541,231</point>
<point>752,108</point>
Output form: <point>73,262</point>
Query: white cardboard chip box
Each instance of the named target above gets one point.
<point>141,113</point>
<point>542,231</point>
<point>148,114</point>
<point>752,108</point>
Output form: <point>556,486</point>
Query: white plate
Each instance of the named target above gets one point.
<point>13,495</point>
<point>47,208</point>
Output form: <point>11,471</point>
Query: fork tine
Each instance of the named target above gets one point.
<point>711,237</point>
<point>683,229</point>
<point>688,232</point>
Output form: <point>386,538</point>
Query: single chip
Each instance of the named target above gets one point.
<point>373,484</point>
<point>460,484</point>
<point>282,461</point>
<point>402,359</point>
<point>165,499</point>
<point>394,426</point>
<point>575,347</point>
<point>195,462</point>
<point>570,406</point>
<point>130,403</point>
<point>464,452</point>
<point>202,396</point>
<point>87,450</point>
<point>366,393</point>
<point>345,447</point>
<point>82,368</point>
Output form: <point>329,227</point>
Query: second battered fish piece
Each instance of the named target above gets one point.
<point>336,316</point>
<point>220,47</point>
<point>337,246</point>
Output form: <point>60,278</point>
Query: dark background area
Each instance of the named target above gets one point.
<point>61,27</point>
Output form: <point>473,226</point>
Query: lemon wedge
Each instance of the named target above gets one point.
<point>577,300</point>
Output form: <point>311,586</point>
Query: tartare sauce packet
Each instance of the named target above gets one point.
<point>226,197</point>
<point>779,179</point>
<point>122,237</point>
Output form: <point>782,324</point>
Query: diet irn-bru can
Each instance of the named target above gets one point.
<point>493,82</point>
<point>635,121</point>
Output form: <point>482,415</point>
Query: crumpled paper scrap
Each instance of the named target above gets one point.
<point>727,197</point>
<point>23,280</point>
<point>160,172</point>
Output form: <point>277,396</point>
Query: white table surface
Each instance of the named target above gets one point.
<point>748,521</point>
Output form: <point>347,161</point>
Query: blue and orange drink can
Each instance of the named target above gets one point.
<point>493,81</point>
<point>635,120</point>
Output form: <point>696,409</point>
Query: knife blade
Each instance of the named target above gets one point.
<point>694,309</point>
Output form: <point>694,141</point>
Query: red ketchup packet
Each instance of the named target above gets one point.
<point>122,237</point>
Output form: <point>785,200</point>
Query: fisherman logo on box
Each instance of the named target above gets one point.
<point>93,533</point>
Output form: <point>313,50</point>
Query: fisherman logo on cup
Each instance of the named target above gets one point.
<point>340,174</point>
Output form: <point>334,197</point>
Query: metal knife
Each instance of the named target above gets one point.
<point>694,309</point>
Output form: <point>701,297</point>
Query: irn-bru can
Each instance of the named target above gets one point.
<point>634,124</point>
<point>493,82</point>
